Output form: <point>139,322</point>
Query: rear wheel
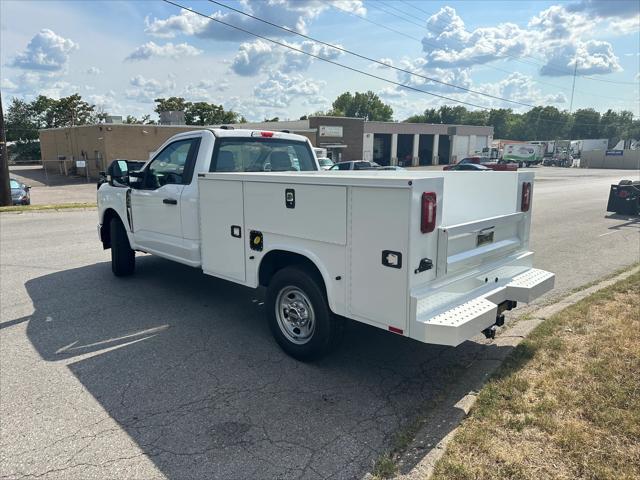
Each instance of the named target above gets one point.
<point>299,315</point>
<point>123,258</point>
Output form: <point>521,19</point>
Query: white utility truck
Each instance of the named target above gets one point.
<point>434,256</point>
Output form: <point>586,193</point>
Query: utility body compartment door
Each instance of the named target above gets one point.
<point>222,230</point>
<point>379,253</point>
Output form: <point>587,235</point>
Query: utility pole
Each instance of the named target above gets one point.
<point>573,87</point>
<point>5,188</point>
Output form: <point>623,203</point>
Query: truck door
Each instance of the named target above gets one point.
<point>155,206</point>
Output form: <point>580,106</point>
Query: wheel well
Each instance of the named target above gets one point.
<point>105,229</point>
<point>278,259</point>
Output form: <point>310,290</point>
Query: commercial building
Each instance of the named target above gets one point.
<point>86,150</point>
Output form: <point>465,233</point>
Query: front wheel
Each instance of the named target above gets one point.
<point>123,258</point>
<point>299,315</point>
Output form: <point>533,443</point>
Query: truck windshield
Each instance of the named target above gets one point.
<point>236,154</point>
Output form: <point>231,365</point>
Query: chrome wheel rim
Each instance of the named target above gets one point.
<point>295,315</point>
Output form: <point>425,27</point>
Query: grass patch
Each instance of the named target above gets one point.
<point>58,206</point>
<point>566,402</point>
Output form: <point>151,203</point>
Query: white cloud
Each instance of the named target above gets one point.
<point>147,89</point>
<point>386,61</point>
<point>392,92</point>
<point>298,61</point>
<point>279,89</point>
<point>252,57</point>
<point>624,26</point>
<point>204,90</point>
<point>46,51</point>
<point>293,14</point>
<point>93,71</point>
<point>593,57</point>
<point>554,34</point>
<point>7,84</point>
<point>105,101</point>
<point>168,50</point>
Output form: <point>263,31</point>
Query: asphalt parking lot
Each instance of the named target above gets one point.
<point>173,374</point>
<point>50,188</point>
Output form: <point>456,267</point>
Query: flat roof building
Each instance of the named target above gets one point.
<point>88,149</point>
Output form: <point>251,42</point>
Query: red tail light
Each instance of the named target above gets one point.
<point>526,197</point>
<point>266,134</point>
<point>623,193</point>
<point>429,209</point>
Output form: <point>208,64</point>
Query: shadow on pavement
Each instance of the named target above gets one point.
<point>186,365</point>
<point>37,177</point>
<point>628,221</point>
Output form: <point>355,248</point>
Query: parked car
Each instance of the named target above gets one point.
<point>403,253</point>
<point>500,166</point>
<point>325,163</point>
<point>355,165</point>
<point>467,167</point>
<point>20,193</point>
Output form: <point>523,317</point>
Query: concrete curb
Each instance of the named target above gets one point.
<point>447,418</point>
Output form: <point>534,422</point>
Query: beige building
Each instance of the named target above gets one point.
<point>86,150</point>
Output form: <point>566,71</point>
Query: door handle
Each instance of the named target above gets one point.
<point>170,201</point>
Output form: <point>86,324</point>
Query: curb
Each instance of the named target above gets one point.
<point>419,460</point>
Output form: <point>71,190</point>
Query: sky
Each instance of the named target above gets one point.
<point>121,55</point>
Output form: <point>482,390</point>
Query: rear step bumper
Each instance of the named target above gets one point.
<point>454,323</point>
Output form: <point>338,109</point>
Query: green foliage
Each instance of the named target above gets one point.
<point>24,150</point>
<point>24,119</point>
<point>361,105</point>
<point>171,104</point>
<point>540,123</point>
<point>198,113</point>
<point>144,120</point>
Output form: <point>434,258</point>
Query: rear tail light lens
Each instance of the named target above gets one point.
<point>526,197</point>
<point>623,194</point>
<point>428,214</point>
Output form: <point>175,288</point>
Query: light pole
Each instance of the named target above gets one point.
<point>5,187</point>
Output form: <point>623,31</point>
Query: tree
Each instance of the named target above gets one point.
<point>171,104</point>
<point>20,123</point>
<point>586,124</point>
<point>274,119</point>
<point>362,105</point>
<point>72,110</point>
<point>499,119</point>
<point>203,113</point>
<point>430,115</point>
<point>453,115</point>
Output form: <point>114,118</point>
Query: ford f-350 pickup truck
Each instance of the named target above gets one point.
<point>431,255</point>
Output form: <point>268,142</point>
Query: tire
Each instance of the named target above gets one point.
<point>123,258</point>
<point>318,330</point>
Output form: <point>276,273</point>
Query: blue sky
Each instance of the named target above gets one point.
<point>121,55</point>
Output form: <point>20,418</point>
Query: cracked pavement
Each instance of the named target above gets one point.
<point>173,374</point>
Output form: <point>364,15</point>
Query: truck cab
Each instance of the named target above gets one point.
<point>159,202</point>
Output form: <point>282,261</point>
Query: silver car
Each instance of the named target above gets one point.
<point>20,194</point>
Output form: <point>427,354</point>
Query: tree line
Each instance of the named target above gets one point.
<point>24,119</point>
<point>540,123</point>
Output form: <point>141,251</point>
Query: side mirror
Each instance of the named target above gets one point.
<point>118,173</point>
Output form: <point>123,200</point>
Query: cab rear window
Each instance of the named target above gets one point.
<point>261,155</point>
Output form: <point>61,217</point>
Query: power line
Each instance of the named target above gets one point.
<point>494,67</point>
<point>290,47</point>
<point>262,37</point>
<point>519,59</point>
<point>364,57</point>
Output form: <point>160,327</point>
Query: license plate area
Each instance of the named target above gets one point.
<point>484,238</point>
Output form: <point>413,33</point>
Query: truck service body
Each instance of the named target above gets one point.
<point>434,256</point>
